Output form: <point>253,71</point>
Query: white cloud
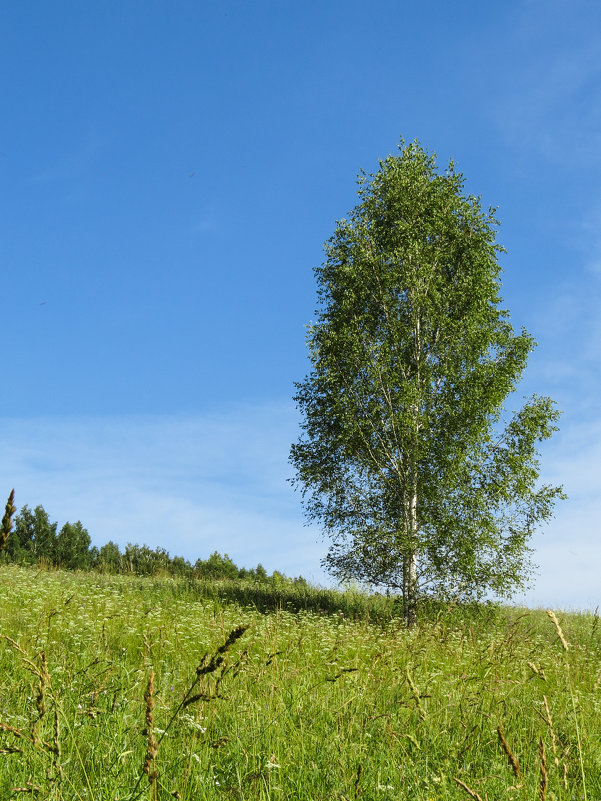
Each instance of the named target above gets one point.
<point>191,485</point>
<point>568,556</point>
<point>218,482</point>
<point>567,326</point>
<point>568,550</point>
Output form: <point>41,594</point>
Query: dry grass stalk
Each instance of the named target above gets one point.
<point>537,671</point>
<point>510,756</point>
<point>16,646</point>
<point>549,723</point>
<point>44,682</point>
<point>207,665</point>
<point>358,779</point>
<point>54,748</point>
<point>29,661</point>
<point>152,747</point>
<point>7,520</point>
<point>415,694</point>
<point>555,621</point>
<point>56,730</point>
<point>544,776</point>
<point>12,730</point>
<point>216,660</point>
<point>211,665</point>
<point>12,749</point>
<point>54,772</point>
<point>573,699</point>
<point>468,790</point>
<point>30,788</point>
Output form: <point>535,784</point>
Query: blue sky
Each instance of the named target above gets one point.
<point>169,174</point>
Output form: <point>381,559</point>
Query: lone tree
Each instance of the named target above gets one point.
<point>408,459</point>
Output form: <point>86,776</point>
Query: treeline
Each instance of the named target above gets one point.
<point>33,539</point>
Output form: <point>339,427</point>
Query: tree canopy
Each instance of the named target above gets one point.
<point>408,457</point>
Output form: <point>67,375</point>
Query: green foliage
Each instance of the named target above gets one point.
<point>143,561</point>
<point>315,704</point>
<point>34,538</point>
<point>7,520</point>
<point>72,550</point>
<point>216,567</point>
<point>109,558</point>
<point>408,458</point>
<point>35,541</point>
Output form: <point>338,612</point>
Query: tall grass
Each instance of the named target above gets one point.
<point>119,688</point>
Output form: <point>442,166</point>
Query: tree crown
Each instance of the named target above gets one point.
<point>405,454</point>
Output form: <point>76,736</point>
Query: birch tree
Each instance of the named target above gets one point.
<point>408,458</point>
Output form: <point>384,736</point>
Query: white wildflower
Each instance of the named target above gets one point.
<point>193,724</point>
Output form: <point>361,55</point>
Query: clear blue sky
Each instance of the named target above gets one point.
<point>169,173</point>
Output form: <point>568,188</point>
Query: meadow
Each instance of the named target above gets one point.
<point>116,688</point>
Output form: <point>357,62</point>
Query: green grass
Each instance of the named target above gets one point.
<point>324,695</point>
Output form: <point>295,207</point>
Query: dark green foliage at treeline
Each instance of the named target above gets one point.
<point>35,540</point>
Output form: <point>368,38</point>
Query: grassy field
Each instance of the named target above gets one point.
<point>115,688</point>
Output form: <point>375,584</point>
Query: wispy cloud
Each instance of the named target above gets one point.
<point>547,95</point>
<point>204,225</point>
<point>590,232</point>
<point>70,165</point>
<point>568,550</point>
<point>567,325</point>
<point>218,482</point>
<point>191,485</point>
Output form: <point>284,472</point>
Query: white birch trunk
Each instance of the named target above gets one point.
<point>410,557</point>
<point>410,570</point>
